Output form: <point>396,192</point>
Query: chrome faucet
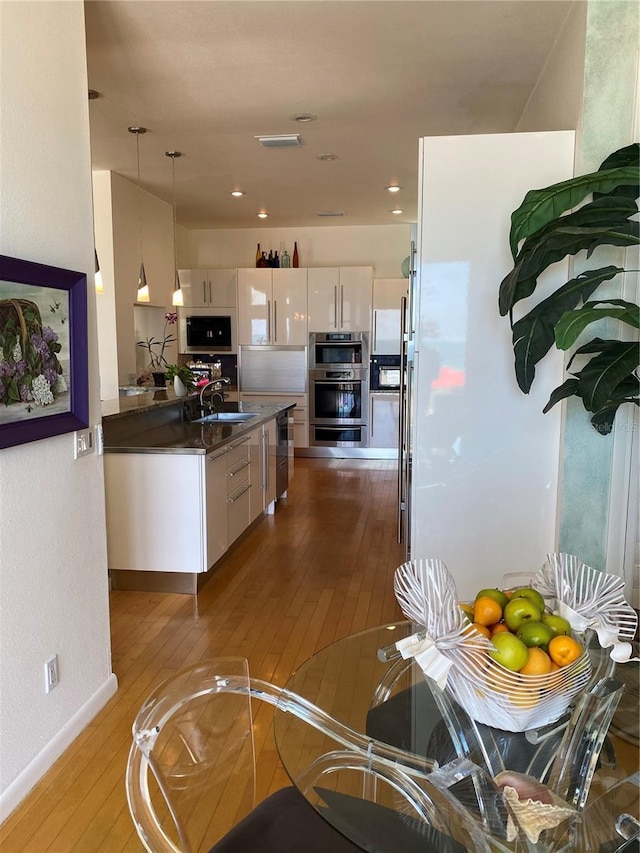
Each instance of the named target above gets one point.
<point>217,391</point>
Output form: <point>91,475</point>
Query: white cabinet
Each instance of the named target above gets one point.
<point>263,469</point>
<point>165,512</point>
<point>203,288</point>
<point>339,298</point>
<point>216,535</point>
<point>384,412</point>
<point>272,306</point>
<point>387,299</point>
<point>300,414</point>
<point>238,483</point>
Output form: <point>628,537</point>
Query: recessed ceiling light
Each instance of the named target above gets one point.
<point>394,188</point>
<point>236,193</point>
<point>327,158</point>
<point>280,140</point>
<point>262,215</point>
<point>304,117</point>
<point>396,211</point>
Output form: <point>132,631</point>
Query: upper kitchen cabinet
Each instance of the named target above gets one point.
<point>387,300</point>
<point>339,299</point>
<point>272,306</point>
<point>208,288</point>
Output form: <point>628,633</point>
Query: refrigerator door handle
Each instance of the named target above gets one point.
<point>402,419</point>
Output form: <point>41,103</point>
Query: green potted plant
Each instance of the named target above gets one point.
<point>183,379</point>
<point>544,232</point>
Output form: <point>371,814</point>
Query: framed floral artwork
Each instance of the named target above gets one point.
<point>43,351</point>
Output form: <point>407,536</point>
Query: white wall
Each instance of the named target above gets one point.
<point>53,566</point>
<point>120,208</point>
<point>383,246</point>
<point>556,101</point>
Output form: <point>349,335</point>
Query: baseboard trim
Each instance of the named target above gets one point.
<point>37,767</point>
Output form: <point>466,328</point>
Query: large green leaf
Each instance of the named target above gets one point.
<point>541,206</point>
<point>533,335</point>
<point>568,388</point>
<point>554,246</point>
<point>628,156</point>
<point>625,392</point>
<point>614,362</point>
<point>536,254</point>
<point>573,323</point>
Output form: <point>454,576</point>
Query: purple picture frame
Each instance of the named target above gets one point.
<point>66,293</point>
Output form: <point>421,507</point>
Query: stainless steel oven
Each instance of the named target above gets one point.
<point>338,349</point>
<point>338,407</point>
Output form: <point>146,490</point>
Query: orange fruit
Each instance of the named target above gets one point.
<point>486,611</point>
<point>538,663</point>
<point>482,629</point>
<point>498,628</point>
<point>564,650</point>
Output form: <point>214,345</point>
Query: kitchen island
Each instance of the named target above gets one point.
<point>182,488</point>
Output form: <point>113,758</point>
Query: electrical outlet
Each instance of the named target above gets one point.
<point>51,674</point>
<point>83,443</point>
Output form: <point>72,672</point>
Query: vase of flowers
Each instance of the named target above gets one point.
<point>183,379</point>
<point>156,348</point>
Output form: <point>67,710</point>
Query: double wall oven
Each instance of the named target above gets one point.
<point>338,390</point>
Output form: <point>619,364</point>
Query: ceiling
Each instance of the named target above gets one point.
<point>205,77</point>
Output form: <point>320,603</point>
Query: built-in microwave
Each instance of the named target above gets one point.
<point>208,332</point>
<point>385,373</point>
<point>338,350</point>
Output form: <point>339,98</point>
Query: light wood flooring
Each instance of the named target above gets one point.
<point>319,569</point>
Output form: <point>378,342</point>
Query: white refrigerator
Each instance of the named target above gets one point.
<point>479,462</point>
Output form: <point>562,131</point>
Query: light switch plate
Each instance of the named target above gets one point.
<point>83,443</point>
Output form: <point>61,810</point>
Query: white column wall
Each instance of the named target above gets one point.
<point>53,567</point>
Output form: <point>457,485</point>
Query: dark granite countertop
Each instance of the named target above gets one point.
<point>160,422</point>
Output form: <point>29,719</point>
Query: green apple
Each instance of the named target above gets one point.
<point>531,594</point>
<point>496,594</point>
<point>520,610</point>
<point>558,624</point>
<point>509,651</point>
<point>535,634</point>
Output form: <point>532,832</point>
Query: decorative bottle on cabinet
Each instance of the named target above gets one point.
<point>295,255</point>
<point>262,262</point>
<point>285,260</point>
<point>258,255</point>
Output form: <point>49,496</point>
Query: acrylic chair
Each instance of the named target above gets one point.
<point>191,779</point>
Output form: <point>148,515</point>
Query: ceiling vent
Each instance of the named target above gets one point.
<point>282,140</point>
<point>330,213</point>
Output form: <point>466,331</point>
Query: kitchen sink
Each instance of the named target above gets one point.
<point>226,417</point>
<point>134,390</point>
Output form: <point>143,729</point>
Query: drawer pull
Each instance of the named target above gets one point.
<point>233,498</point>
<point>239,467</point>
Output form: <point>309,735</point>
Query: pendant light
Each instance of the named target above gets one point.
<point>143,288</point>
<point>98,276</point>
<point>177,290</point>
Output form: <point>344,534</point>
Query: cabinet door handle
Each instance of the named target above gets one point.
<point>335,306</point>
<point>341,306</point>
<point>269,320</point>
<point>204,291</point>
<point>210,298</point>
<point>233,498</point>
<point>373,417</point>
<point>237,468</point>
<point>265,461</point>
<point>275,321</point>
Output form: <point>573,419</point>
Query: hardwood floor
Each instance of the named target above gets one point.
<point>319,569</point>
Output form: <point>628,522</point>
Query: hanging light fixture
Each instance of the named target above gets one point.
<point>98,276</point>
<point>177,290</point>
<point>143,288</point>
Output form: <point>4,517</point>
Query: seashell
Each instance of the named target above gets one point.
<point>534,816</point>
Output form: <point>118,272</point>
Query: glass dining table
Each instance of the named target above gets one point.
<point>425,777</point>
